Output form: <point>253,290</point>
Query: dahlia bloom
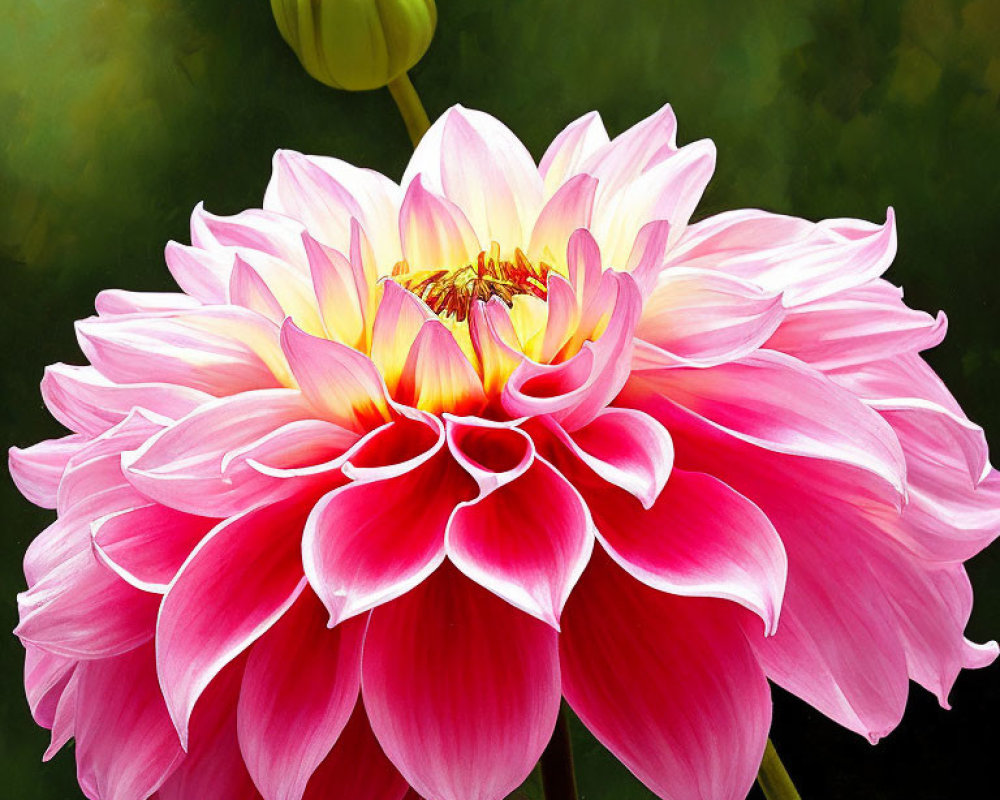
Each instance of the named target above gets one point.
<point>404,465</point>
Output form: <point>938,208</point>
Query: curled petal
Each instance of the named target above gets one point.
<point>46,677</point>
<point>462,689</point>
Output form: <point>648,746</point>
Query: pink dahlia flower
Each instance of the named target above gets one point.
<point>403,466</point>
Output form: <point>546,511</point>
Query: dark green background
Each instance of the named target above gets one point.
<point>117,117</point>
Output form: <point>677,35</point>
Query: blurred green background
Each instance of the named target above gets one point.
<point>117,117</point>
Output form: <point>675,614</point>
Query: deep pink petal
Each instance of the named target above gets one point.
<point>37,470</point>
<point>462,690</point>
<point>299,689</point>
<point>64,719</point>
<point>45,679</point>
<point>356,767</point>
<point>126,745</point>
<point>626,448</point>
<point>667,683</point>
<point>235,585</point>
<point>371,541</point>
<point>528,535</point>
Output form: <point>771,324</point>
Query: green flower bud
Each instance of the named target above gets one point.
<point>356,44</point>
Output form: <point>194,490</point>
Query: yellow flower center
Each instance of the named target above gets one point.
<point>451,292</point>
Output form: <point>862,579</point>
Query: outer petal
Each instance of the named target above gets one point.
<point>45,679</point>
<point>299,689</point>
<point>236,584</point>
<point>356,767</point>
<point>37,470</point>
<point>462,690</point>
<point>371,541</point>
<point>774,402</point>
<point>118,301</point>
<point>84,400</point>
<point>705,318</point>
<point>126,745</point>
<point>668,684</point>
<point>528,536</point>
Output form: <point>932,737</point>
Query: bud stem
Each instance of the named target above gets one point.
<point>410,107</point>
<point>773,778</point>
<point>558,780</point>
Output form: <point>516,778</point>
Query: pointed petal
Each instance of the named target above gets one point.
<point>248,289</point>
<point>126,745</point>
<point>567,210</point>
<point>462,690</point>
<point>668,684</point>
<point>570,149</point>
<point>235,585</point>
<point>437,376</point>
<point>434,232</point>
<point>336,289</point>
<point>37,470</point>
<point>398,320</point>
<point>299,689</point>
<point>199,273</point>
<point>45,679</point>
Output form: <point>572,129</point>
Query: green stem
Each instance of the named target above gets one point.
<point>773,777</point>
<point>558,780</point>
<point>410,107</point>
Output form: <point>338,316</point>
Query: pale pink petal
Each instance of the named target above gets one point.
<point>369,542</point>
<point>356,767</point>
<point>299,689</point>
<point>126,745</point>
<point>214,765</point>
<point>248,289</point>
<point>399,318</point>
<point>563,319</point>
<point>777,403</point>
<point>82,609</point>
<point>37,470</point>
<point>631,153</point>
<point>45,679</point>
<point>325,194</point>
<point>117,301</point>
<point>198,464</point>
<point>624,447</point>
<point>234,586</point>
<point>567,210</point>
<point>668,684</point>
<point>669,191</point>
<point>341,305</point>
<point>341,383</point>
<point>705,318</point>
<point>147,545</point>
<point>648,254</point>
<point>434,232</point>
<point>853,327</point>
<point>215,349</point>
<point>805,261</point>
<point>700,539</point>
<point>570,149</point>
<point>476,162</point>
<point>199,273</point>
<point>437,376</point>
<point>85,401</point>
<point>462,689</point>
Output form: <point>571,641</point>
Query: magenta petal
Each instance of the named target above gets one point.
<point>528,536</point>
<point>64,719</point>
<point>371,541</point>
<point>235,585</point>
<point>45,679</point>
<point>299,689</point>
<point>462,690</point>
<point>626,448</point>
<point>37,470</point>
<point>356,767</point>
<point>668,684</point>
<point>700,539</point>
<point>126,745</point>
<point>214,766</point>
